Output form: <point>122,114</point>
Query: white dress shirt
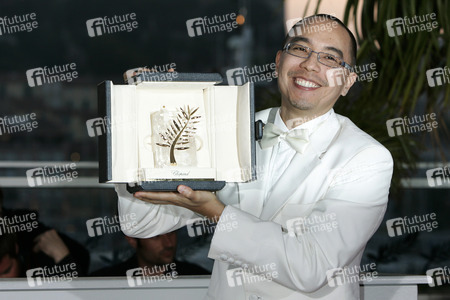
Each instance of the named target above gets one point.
<point>282,152</point>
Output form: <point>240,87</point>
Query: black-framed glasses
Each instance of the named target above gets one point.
<point>326,59</point>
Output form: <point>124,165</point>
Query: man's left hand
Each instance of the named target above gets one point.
<point>201,202</point>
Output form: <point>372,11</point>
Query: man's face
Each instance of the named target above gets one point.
<point>302,81</point>
<point>9,267</point>
<point>158,250</point>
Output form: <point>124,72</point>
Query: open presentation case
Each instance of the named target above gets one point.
<point>191,131</point>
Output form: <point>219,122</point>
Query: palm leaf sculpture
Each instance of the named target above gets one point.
<point>179,130</point>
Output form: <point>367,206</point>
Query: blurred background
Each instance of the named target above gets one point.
<point>161,37</point>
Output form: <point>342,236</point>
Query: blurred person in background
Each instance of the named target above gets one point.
<point>152,254</point>
<point>26,243</point>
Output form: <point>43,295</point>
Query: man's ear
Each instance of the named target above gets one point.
<point>277,60</point>
<point>349,81</point>
<point>132,241</point>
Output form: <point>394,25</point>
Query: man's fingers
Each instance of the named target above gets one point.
<point>164,196</point>
<point>186,191</point>
<point>152,201</point>
<point>160,197</point>
<point>181,198</point>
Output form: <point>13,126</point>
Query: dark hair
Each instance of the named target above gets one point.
<point>8,243</point>
<point>353,45</point>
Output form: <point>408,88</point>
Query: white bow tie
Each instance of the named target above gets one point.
<point>298,139</point>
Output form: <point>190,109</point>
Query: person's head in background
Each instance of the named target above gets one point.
<point>155,251</point>
<point>9,250</point>
<point>9,256</point>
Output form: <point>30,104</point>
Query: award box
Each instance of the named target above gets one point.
<point>190,130</point>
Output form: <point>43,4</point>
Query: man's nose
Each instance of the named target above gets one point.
<point>311,63</point>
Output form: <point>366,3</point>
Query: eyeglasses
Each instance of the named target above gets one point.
<point>326,59</point>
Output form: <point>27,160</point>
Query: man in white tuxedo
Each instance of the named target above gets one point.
<point>300,229</point>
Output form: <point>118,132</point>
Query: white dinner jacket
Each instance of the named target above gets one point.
<point>344,174</point>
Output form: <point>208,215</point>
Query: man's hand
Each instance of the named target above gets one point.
<point>51,244</point>
<point>202,202</point>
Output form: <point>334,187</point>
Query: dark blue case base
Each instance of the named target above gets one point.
<point>171,186</point>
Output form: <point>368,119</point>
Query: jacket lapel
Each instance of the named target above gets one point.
<point>300,167</point>
<point>251,194</point>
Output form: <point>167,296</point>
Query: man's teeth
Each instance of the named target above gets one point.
<point>306,83</point>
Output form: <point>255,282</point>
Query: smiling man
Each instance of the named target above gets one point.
<point>321,191</point>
